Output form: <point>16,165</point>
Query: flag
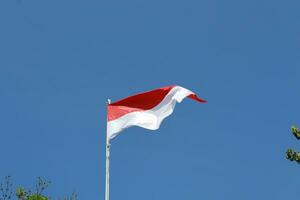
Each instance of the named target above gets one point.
<point>146,110</point>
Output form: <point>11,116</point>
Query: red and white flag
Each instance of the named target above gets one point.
<point>146,110</point>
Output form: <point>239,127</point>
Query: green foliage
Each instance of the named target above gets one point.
<point>296,132</point>
<point>37,197</point>
<point>41,185</point>
<point>6,191</point>
<point>291,154</point>
<point>21,193</point>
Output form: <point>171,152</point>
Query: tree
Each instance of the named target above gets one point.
<point>7,191</point>
<point>291,154</point>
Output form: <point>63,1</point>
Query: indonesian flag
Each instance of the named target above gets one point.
<point>146,110</point>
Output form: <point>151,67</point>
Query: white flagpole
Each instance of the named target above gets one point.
<point>107,164</point>
<point>107,170</point>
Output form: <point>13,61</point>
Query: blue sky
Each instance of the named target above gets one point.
<point>60,60</point>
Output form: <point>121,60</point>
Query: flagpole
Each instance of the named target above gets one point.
<point>107,170</point>
<point>107,164</point>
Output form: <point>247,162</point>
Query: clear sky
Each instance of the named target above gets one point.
<point>60,60</point>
